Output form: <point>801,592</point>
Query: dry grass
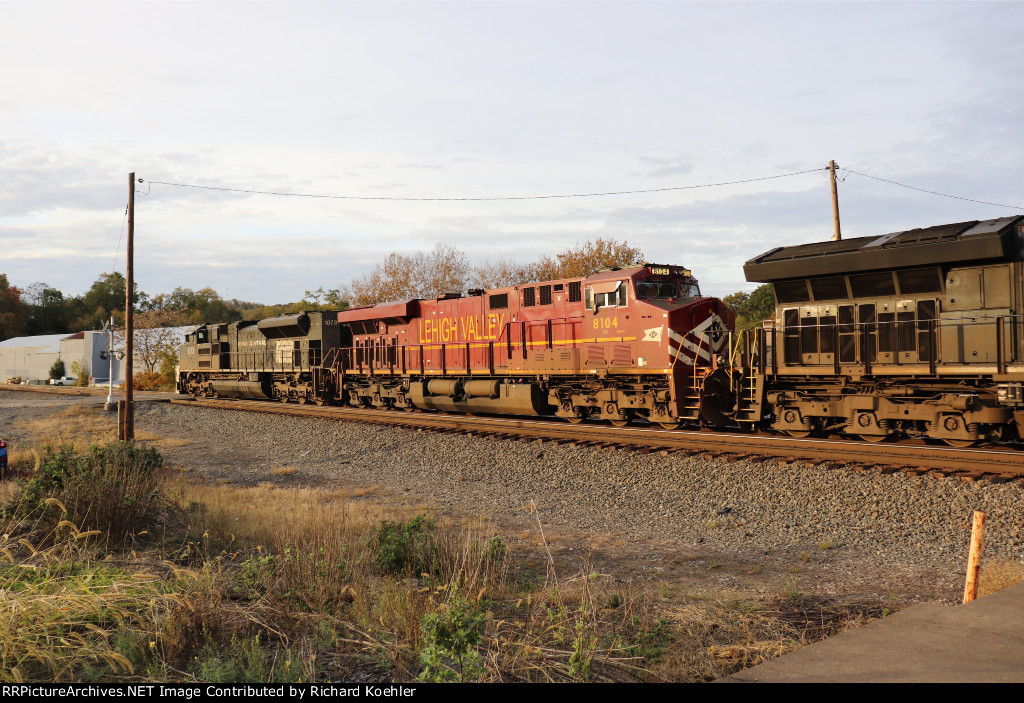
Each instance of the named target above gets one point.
<point>283,584</point>
<point>283,471</point>
<point>78,425</point>
<point>998,574</point>
<point>64,616</point>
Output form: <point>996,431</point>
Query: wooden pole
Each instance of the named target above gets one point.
<point>835,201</point>
<point>974,557</point>
<point>129,318</point>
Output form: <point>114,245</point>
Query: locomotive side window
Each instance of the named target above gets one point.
<point>610,297</point>
<point>574,291</point>
<point>689,290</point>
<point>499,301</point>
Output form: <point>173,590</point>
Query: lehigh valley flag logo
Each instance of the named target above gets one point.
<point>653,334</point>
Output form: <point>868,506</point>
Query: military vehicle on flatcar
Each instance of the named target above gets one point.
<point>914,333</point>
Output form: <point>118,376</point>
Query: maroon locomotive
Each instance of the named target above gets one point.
<point>617,345</point>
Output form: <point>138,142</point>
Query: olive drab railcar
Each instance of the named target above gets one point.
<point>913,333</point>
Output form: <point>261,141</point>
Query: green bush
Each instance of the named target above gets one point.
<point>406,548</point>
<point>451,636</point>
<point>57,370</point>
<point>111,489</point>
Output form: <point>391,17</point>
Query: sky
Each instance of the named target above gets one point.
<point>488,100</point>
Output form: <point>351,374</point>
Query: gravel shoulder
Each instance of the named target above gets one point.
<point>713,528</point>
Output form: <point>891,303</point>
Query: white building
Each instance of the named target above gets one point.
<point>31,357</point>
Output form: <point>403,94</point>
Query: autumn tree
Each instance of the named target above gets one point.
<point>752,308</point>
<point>12,310</point>
<point>575,262</point>
<point>155,336</point>
<point>321,299</point>
<point>106,299</point>
<point>49,312</point>
<point>203,305</point>
<point>444,269</point>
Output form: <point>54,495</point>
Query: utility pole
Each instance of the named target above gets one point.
<point>128,418</point>
<point>835,201</point>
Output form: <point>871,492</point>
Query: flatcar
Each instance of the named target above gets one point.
<point>915,333</point>
<point>617,346</point>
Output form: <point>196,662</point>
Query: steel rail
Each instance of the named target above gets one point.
<point>1004,461</point>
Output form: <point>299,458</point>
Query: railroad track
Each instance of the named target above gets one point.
<point>994,463</point>
<point>997,464</point>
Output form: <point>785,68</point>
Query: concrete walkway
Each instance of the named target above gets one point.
<point>981,642</point>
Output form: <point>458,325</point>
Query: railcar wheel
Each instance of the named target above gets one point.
<point>302,400</point>
<point>320,400</point>
<point>283,398</point>
<point>960,443</point>
<point>620,423</point>
<point>669,425</point>
<point>875,438</point>
<point>575,420</point>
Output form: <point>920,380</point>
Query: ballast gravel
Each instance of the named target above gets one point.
<point>896,521</point>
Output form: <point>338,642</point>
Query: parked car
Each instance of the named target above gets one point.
<point>63,381</point>
<point>3,458</point>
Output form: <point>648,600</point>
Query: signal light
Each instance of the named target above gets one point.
<point>3,444</point>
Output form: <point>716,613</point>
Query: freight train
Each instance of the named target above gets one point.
<point>619,345</point>
<point>917,333</point>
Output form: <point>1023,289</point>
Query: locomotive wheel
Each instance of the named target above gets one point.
<point>875,438</point>
<point>320,400</point>
<point>575,420</point>
<point>960,443</point>
<point>283,398</point>
<point>302,400</point>
<point>620,423</point>
<point>669,425</point>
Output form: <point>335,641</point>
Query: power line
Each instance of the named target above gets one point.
<point>519,197</point>
<point>932,192</point>
<point>119,239</point>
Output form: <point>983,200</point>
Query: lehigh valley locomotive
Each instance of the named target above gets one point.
<point>621,344</point>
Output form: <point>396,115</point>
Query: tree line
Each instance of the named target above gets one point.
<point>43,309</point>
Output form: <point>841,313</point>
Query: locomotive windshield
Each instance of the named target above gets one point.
<point>666,289</point>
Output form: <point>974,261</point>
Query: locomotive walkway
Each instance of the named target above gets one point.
<point>980,642</point>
